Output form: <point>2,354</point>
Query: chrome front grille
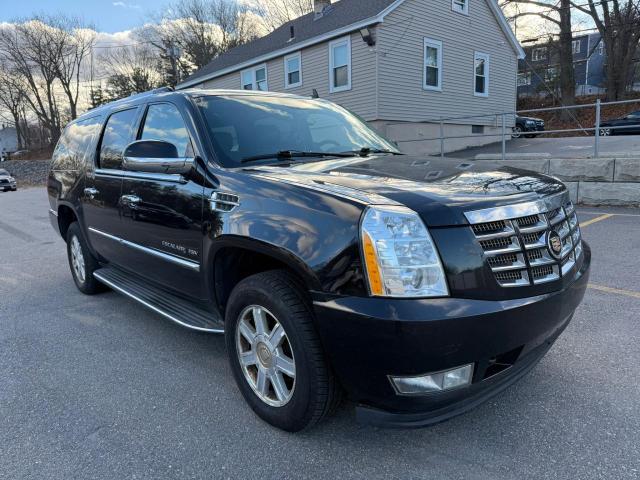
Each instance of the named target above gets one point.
<point>515,240</point>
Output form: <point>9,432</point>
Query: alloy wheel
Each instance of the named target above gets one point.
<point>77,259</point>
<point>265,356</point>
<point>605,132</point>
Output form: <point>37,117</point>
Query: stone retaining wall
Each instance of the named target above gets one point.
<point>601,181</point>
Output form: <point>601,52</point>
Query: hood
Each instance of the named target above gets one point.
<point>440,190</point>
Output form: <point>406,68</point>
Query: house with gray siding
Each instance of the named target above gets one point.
<point>402,65</point>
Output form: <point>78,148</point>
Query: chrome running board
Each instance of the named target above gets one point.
<point>166,304</point>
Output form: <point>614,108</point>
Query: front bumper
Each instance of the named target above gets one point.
<point>368,339</point>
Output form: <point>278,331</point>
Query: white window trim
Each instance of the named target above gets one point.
<point>485,57</point>
<point>297,55</point>
<point>335,43</point>
<point>575,43</point>
<point>252,70</point>
<point>456,8</point>
<point>537,58</point>
<point>430,42</point>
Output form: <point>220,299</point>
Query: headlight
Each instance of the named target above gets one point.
<point>400,257</point>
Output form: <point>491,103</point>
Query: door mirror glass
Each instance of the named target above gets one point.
<point>155,156</point>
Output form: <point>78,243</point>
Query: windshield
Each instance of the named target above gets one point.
<point>247,126</point>
<point>3,172</point>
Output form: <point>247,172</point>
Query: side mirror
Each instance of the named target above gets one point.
<point>155,156</point>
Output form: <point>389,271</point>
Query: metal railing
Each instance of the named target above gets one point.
<point>501,121</point>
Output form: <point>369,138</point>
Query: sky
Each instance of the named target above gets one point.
<point>108,16</point>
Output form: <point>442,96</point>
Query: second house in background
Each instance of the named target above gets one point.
<point>399,64</point>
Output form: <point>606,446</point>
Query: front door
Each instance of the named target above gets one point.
<point>162,213</point>
<point>103,185</point>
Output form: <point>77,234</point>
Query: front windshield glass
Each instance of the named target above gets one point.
<point>3,172</point>
<point>246,126</point>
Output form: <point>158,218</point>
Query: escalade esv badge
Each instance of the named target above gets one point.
<point>334,264</point>
<point>554,241</point>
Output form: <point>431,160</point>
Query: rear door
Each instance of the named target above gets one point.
<point>162,213</point>
<point>103,185</point>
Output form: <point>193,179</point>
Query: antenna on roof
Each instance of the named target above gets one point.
<point>315,94</point>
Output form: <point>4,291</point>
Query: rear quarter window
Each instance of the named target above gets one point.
<point>75,144</point>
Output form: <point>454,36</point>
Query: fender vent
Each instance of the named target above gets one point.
<point>224,202</point>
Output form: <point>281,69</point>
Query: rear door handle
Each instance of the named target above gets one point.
<point>131,199</point>
<point>90,192</point>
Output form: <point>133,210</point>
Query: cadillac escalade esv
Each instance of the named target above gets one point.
<point>334,265</point>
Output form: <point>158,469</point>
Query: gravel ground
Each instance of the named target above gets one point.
<point>99,387</point>
<point>28,172</point>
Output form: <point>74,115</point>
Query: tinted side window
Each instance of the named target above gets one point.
<point>74,144</point>
<point>117,135</point>
<point>164,122</point>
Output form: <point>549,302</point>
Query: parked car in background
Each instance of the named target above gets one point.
<point>627,125</point>
<point>526,125</point>
<point>7,182</point>
<point>332,263</point>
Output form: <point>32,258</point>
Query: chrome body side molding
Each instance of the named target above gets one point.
<point>164,256</point>
<point>162,177</point>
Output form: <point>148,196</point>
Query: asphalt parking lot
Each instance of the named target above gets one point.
<point>99,387</point>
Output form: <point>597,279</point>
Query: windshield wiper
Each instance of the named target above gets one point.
<point>289,154</point>
<point>366,151</point>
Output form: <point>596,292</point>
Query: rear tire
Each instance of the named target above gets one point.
<point>81,262</point>
<point>286,382</point>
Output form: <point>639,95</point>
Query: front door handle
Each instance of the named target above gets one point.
<point>90,192</point>
<point>131,199</point>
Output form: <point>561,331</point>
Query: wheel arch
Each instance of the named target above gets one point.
<point>237,258</point>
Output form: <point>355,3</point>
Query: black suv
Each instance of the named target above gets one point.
<point>417,286</point>
<point>526,125</point>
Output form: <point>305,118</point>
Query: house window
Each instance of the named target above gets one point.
<point>524,79</point>
<point>550,74</point>
<point>255,78</point>
<point>293,70</point>
<point>340,65</point>
<point>432,64</point>
<point>481,74</point>
<point>575,46</point>
<point>460,6</point>
<point>539,54</point>
<point>477,129</point>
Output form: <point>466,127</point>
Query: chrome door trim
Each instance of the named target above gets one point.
<point>53,212</point>
<point>161,177</point>
<point>156,253</point>
<point>177,165</point>
<point>518,210</point>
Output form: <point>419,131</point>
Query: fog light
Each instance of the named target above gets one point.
<point>434,382</point>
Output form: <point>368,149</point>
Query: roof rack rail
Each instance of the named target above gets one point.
<point>150,92</point>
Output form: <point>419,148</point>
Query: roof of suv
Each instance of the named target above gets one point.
<point>192,92</point>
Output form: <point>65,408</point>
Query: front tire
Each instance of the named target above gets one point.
<point>517,132</point>
<point>82,262</point>
<point>275,353</point>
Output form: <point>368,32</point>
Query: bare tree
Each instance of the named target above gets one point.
<point>30,49</point>
<point>191,33</point>
<point>75,42</point>
<point>275,13</point>
<point>12,101</point>
<point>618,22</point>
<point>131,70</point>
<point>558,13</point>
